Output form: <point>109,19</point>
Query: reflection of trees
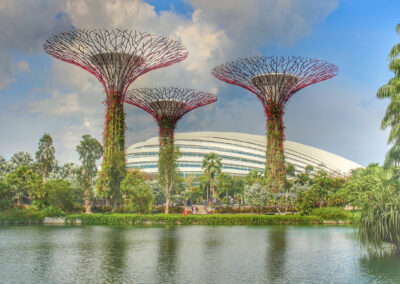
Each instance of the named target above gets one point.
<point>166,261</point>
<point>86,249</point>
<point>276,255</point>
<point>384,269</point>
<point>115,246</point>
<point>44,251</point>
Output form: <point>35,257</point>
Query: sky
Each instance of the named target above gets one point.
<point>40,94</point>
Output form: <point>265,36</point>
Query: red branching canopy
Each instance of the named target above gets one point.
<point>275,79</point>
<point>116,57</point>
<point>168,103</point>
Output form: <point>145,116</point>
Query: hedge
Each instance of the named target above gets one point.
<point>179,219</point>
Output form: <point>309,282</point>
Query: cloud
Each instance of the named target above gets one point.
<point>254,23</point>
<point>216,31</point>
<point>24,25</point>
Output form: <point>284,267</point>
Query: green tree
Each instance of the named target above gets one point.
<point>391,119</point>
<point>5,195</point>
<point>212,165</point>
<point>3,167</point>
<point>224,185</point>
<point>23,182</point>
<point>20,159</point>
<point>253,177</point>
<point>137,192</point>
<point>168,175</point>
<point>45,156</point>
<point>60,194</point>
<point>89,150</point>
<point>309,169</point>
<point>290,170</point>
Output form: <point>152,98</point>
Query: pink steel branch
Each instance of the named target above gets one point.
<point>168,105</point>
<point>116,57</point>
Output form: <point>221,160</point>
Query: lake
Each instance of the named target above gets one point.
<point>189,254</point>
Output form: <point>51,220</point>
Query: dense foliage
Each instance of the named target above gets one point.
<point>138,195</point>
<point>162,219</point>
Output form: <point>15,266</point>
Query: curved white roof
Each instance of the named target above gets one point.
<point>240,153</point>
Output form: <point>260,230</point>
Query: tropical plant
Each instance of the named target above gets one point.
<point>379,224</point>
<point>391,119</point>
<point>224,186</point>
<point>89,150</point>
<point>254,176</point>
<point>45,156</point>
<point>212,165</point>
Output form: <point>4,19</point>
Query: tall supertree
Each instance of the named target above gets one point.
<point>167,106</point>
<point>275,80</point>
<point>116,57</point>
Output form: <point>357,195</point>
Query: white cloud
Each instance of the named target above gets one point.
<point>215,32</point>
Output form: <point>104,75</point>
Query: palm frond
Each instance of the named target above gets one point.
<point>394,65</point>
<point>386,91</point>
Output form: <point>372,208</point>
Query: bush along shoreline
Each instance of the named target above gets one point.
<point>179,219</point>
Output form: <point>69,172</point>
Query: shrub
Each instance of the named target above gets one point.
<point>53,212</point>
<point>257,195</point>
<point>331,213</point>
<point>21,215</point>
<point>173,219</point>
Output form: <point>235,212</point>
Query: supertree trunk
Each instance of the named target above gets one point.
<point>274,80</point>
<point>275,163</point>
<point>167,159</point>
<point>114,164</point>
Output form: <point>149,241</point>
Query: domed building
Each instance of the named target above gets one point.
<point>240,154</point>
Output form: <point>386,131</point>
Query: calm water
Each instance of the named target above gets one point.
<point>188,254</point>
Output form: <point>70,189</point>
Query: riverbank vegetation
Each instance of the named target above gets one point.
<point>174,219</point>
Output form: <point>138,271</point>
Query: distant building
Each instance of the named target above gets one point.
<point>240,154</point>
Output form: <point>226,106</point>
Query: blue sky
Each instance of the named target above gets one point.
<point>341,115</point>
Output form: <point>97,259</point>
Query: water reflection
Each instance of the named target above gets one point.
<point>188,254</point>
<point>276,255</point>
<point>114,254</point>
<point>383,270</point>
<point>167,256</point>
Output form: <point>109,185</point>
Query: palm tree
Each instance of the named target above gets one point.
<point>392,116</point>
<point>212,165</point>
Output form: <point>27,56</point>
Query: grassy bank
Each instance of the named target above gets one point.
<point>179,219</point>
<point>17,216</point>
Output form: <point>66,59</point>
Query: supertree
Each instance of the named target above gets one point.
<point>275,80</point>
<point>116,57</point>
<point>167,106</point>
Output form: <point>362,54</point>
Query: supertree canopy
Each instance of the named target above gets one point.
<point>274,80</point>
<point>116,57</point>
<point>167,106</point>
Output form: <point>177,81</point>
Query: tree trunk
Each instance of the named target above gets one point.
<point>166,200</point>
<point>212,186</point>
<point>86,195</point>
